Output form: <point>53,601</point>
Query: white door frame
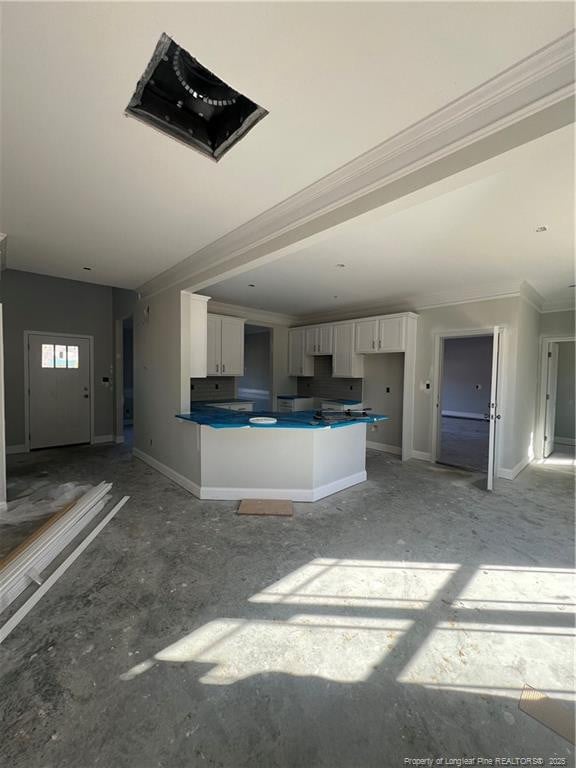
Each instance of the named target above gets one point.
<point>545,342</point>
<point>2,420</point>
<point>436,410</point>
<point>27,335</point>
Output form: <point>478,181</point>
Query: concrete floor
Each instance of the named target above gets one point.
<point>397,619</point>
<point>464,443</point>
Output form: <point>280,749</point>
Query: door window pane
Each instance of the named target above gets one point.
<point>72,357</point>
<point>47,355</point>
<point>60,356</point>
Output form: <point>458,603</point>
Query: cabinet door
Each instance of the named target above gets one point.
<point>232,346</point>
<point>345,362</point>
<point>311,345</point>
<point>325,339</point>
<point>366,336</point>
<point>391,334</point>
<point>214,345</point>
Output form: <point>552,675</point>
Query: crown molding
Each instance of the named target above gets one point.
<point>531,296</point>
<point>558,306</point>
<point>417,303</point>
<point>541,84</point>
<point>251,314</point>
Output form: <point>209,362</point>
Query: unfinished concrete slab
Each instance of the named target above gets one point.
<point>400,618</point>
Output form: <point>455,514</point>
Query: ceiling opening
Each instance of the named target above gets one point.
<point>180,97</point>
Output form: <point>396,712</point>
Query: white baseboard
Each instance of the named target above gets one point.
<point>119,439</point>
<point>288,494</point>
<point>236,494</point>
<point>3,506</point>
<point>395,449</point>
<point>16,449</point>
<point>511,474</point>
<point>565,440</point>
<point>421,455</point>
<point>102,439</point>
<point>464,415</point>
<point>189,485</point>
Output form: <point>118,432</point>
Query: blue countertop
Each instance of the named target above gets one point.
<point>219,418</point>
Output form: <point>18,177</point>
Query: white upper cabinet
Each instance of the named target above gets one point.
<point>392,334</point>
<point>232,346</point>
<point>319,340</point>
<point>366,336</point>
<point>345,362</point>
<point>299,362</point>
<point>387,334</point>
<point>214,360</point>
<point>225,346</point>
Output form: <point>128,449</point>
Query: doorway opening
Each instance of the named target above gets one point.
<point>559,413</point>
<point>256,384</point>
<point>128,378</point>
<point>465,402</point>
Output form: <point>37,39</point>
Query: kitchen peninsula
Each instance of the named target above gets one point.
<point>300,457</point>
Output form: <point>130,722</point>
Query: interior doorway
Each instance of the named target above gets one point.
<point>59,408</point>
<point>256,384</point>
<point>467,389</point>
<point>559,413</point>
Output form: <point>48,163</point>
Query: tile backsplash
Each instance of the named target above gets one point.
<point>213,387</point>
<point>322,384</point>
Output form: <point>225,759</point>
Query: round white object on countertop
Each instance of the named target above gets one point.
<point>263,420</point>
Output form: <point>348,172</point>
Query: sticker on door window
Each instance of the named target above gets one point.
<point>60,355</point>
<point>47,355</point>
<point>72,357</point>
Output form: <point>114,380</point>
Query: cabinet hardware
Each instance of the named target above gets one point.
<point>217,366</point>
<point>379,343</point>
<point>223,368</point>
<point>373,344</point>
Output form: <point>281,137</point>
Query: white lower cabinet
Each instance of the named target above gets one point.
<point>299,363</point>
<point>225,346</point>
<point>345,362</point>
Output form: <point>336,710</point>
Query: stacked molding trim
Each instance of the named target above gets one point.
<point>27,563</point>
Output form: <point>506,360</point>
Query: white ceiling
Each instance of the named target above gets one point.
<point>83,185</point>
<point>474,234</point>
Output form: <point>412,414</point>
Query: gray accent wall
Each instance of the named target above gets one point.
<point>382,373</point>
<point>322,384</point>
<point>564,425</point>
<point>34,302</point>
<point>212,387</point>
<point>467,376</point>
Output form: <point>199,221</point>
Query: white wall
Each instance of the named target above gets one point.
<point>158,386</point>
<point>564,425</point>
<point>521,432</point>
<point>557,323</point>
<point>466,376</point>
<point>380,372</point>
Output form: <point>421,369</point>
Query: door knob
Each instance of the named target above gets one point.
<point>86,397</point>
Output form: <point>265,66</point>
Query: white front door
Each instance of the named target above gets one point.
<point>551,387</point>
<point>494,406</point>
<point>59,384</point>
